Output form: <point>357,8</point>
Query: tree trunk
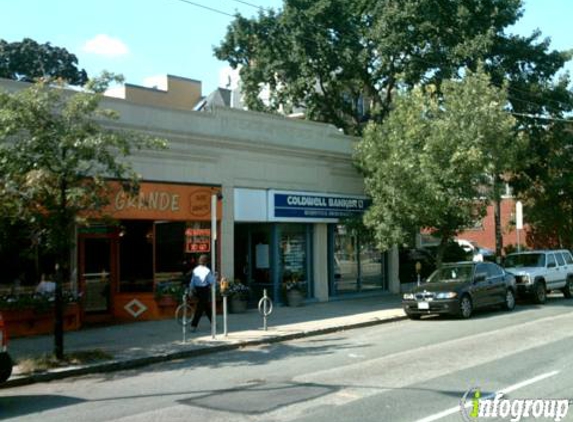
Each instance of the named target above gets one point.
<point>440,251</point>
<point>62,256</point>
<point>59,314</point>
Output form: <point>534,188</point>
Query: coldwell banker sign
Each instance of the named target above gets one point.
<point>300,206</point>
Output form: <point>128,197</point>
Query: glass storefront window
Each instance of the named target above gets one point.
<point>152,252</point>
<point>345,261</point>
<point>253,256</point>
<point>372,266</point>
<point>358,265</point>
<point>293,254</point>
<point>136,256</point>
<point>169,245</point>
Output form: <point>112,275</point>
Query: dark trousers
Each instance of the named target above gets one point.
<point>203,304</point>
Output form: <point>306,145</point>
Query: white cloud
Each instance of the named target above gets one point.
<point>104,45</point>
<point>157,82</point>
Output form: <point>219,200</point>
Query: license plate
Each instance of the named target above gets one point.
<point>423,305</point>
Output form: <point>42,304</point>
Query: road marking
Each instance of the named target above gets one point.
<point>507,390</point>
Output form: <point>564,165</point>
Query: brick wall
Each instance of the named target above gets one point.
<point>485,235</point>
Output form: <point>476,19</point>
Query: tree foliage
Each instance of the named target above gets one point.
<point>332,56</point>
<point>343,62</point>
<point>55,158</point>
<point>29,61</point>
<point>432,163</point>
<point>546,187</point>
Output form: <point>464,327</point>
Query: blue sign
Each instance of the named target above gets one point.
<point>291,205</point>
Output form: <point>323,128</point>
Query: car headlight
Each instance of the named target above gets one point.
<point>408,296</point>
<point>446,295</point>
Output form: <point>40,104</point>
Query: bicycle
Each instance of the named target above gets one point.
<point>184,312</point>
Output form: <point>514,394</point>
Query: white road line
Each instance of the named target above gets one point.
<point>451,411</point>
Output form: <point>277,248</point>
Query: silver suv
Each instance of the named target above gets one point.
<point>540,271</point>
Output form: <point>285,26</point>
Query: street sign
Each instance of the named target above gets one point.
<point>518,215</point>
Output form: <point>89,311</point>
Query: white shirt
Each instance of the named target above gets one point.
<point>202,277</point>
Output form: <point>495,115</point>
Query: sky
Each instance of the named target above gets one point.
<point>147,39</point>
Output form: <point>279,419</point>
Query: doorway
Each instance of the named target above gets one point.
<point>97,275</point>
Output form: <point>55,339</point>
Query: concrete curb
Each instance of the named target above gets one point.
<point>118,365</point>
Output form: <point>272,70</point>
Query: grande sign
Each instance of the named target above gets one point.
<point>164,201</point>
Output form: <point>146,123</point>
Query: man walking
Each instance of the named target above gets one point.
<point>201,282</point>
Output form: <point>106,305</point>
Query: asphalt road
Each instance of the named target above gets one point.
<point>415,371</point>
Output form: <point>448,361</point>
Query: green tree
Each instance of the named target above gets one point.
<point>433,161</point>
<point>546,186</point>
<point>335,57</point>
<point>344,61</point>
<point>55,157</point>
<point>29,61</point>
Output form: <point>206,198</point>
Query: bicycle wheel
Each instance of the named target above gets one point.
<point>184,314</point>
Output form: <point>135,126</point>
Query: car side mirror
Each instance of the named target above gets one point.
<point>551,265</point>
<point>479,278</point>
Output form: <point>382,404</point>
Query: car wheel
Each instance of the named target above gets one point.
<point>568,289</point>
<point>466,307</point>
<point>539,294</point>
<point>5,366</point>
<point>509,303</point>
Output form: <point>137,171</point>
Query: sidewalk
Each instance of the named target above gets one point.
<point>143,343</point>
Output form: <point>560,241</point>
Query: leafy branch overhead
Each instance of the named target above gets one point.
<point>52,138</point>
<point>343,61</point>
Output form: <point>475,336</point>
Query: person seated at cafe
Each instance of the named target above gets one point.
<point>46,287</point>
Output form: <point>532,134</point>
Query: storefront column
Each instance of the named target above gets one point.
<point>320,260</point>
<point>228,234</point>
<point>393,270</point>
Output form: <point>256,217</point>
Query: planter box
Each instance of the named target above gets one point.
<point>294,298</point>
<point>237,306</point>
<point>29,322</point>
<point>167,301</point>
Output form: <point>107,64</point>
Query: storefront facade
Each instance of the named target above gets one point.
<point>147,241</point>
<point>262,167</point>
<point>282,236</point>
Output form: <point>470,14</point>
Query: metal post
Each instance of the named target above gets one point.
<point>518,221</point>
<point>213,262</point>
<point>265,308</point>
<point>225,316</point>
<point>184,325</point>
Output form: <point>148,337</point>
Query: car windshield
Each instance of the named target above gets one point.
<point>452,274</point>
<point>525,260</point>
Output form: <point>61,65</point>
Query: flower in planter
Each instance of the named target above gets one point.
<point>293,282</point>
<point>173,289</point>
<point>237,289</point>
<point>35,301</point>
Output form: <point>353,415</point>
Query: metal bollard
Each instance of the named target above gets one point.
<point>184,325</point>
<point>265,308</point>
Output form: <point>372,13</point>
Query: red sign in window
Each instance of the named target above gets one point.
<point>197,240</point>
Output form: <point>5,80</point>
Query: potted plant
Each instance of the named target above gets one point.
<point>295,290</point>
<point>239,295</point>
<point>169,293</point>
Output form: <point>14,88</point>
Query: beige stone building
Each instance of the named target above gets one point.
<point>283,184</point>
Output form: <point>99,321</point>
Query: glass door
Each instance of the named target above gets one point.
<point>96,273</point>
